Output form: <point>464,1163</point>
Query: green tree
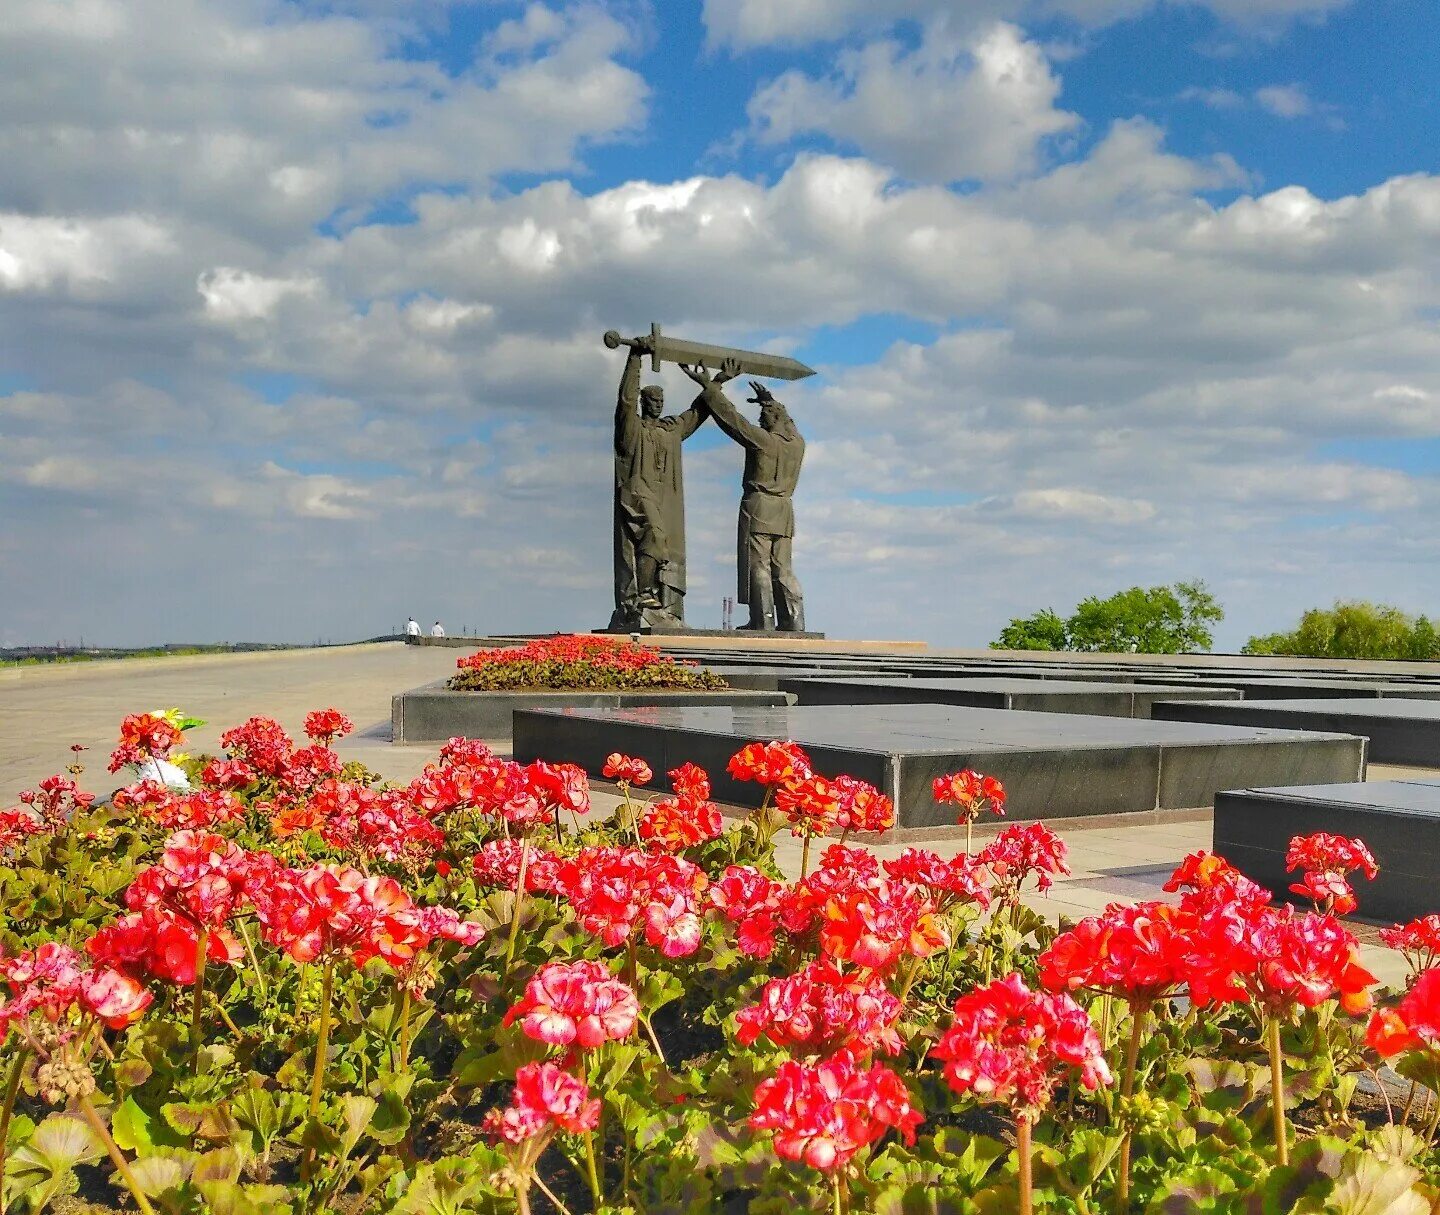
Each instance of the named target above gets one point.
<point>1042,631</point>
<point>1353,629</point>
<point>1158,620</point>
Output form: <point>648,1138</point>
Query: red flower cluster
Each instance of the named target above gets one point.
<point>546,1097</point>
<point>611,890</point>
<point>862,806</point>
<point>823,1114</point>
<point>970,793</point>
<point>598,651</point>
<point>1137,952</point>
<point>875,926</point>
<point>325,727</point>
<point>52,981</point>
<point>1021,851</point>
<point>685,820</point>
<point>1012,1045</point>
<point>820,1010</point>
<point>262,743</point>
<point>1414,1024</point>
<point>331,911</point>
<point>497,867</point>
<point>227,774</point>
<point>1419,941</point>
<point>811,803</point>
<point>962,879</point>
<point>143,736</point>
<point>772,764</point>
<point>627,770</point>
<point>580,1005</point>
<point>1325,859</point>
<point>175,811</point>
<point>752,902</point>
<point>55,801</point>
<point>196,887</point>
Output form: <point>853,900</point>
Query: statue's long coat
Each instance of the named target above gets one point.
<point>649,487</point>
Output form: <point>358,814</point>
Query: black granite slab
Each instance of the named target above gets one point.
<point>1398,820</point>
<point>1401,731</point>
<point>1041,696</point>
<point>768,678</point>
<point>1054,765</point>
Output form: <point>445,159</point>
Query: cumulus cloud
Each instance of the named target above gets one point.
<point>954,107</point>
<point>240,375</point>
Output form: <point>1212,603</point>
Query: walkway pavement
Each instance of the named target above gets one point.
<point>43,710</point>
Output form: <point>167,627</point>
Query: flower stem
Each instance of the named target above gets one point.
<point>12,1089</point>
<point>969,824</point>
<point>805,857</point>
<point>254,961</point>
<point>197,1006</point>
<point>322,1045</point>
<point>519,901</point>
<point>591,1173</point>
<point>116,1156</point>
<point>1139,1013</point>
<point>1022,1161</point>
<point>1277,1090</point>
<point>654,1041</point>
<point>835,1190</point>
<point>404,1064</point>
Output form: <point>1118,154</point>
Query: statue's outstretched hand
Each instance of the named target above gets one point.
<point>697,372</point>
<point>729,370</point>
<point>762,394</point>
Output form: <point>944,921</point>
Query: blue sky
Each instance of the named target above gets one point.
<point>300,303</point>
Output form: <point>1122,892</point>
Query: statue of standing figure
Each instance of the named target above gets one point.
<point>649,500</point>
<point>649,533</point>
<point>774,452</point>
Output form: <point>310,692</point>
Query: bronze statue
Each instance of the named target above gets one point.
<point>649,498</point>
<point>774,452</point>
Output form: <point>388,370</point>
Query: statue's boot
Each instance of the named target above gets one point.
<point>762,606</point>
<point>647,576</point>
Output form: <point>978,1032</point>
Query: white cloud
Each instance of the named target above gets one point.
<point>231,294</point>
<point>745,24</point>
<point>1285,100</point>
<point>973,106</point>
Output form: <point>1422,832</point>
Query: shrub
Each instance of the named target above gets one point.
<point>579,663</point>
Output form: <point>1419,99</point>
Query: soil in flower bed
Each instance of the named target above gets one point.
<point>579,663</point>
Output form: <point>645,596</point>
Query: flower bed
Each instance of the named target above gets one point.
<point>579,662</point>
<point>291,988</point>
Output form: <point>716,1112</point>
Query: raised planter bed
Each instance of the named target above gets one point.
<point>433,713</point>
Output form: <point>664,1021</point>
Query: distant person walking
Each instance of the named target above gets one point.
<point>438,630</point>
<point>412,628</point>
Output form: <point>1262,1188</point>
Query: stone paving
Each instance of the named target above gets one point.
<point>44,710</point>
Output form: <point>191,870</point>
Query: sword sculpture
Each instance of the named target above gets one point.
<point>675,350</point>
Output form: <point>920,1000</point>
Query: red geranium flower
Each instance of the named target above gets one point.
<point>1419,941</point>
<point>1022,851</point>
<point>820,1010</point>
<point>971,793</point>
<point>1013,1045</point>
<point>1414,1024</point>
<point>626,769</point>
<point>576,1004</point>
<point>678,823</point>
<point>862,807</point>
<point>811,803</point>
<point>1138,952</point>
<point>962,879</point>
<point>326,726</point>
<point>545,1098</point>
<point>770,764</point>
<point>823,1114</point>
<point>751,901</point>
<point>143,736</point>
<point>1326,859</point>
